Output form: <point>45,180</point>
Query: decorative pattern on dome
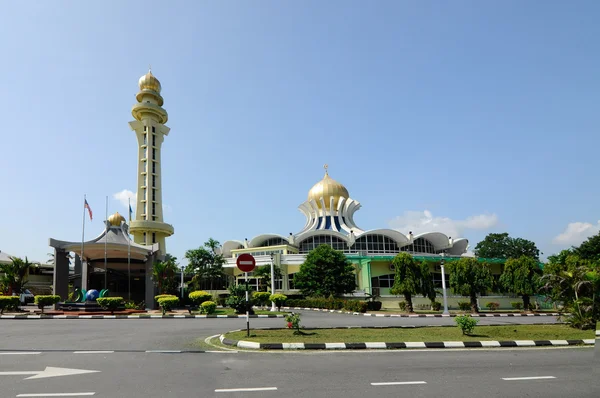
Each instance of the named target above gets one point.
<point>116,219</point>
<point>149,82</point>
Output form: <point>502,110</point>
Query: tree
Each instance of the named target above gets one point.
<point>325,272</point>
<point>469,277</point>
<point>522,276</point>
<point>263,273</point>
<point>164,274</point>
<point>503,246</point>
<point>15,274</point>
<point>408,279</point>
<point>205,263</point>
<point>590,249</point>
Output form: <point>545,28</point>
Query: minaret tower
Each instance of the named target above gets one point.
<point>149,126</point>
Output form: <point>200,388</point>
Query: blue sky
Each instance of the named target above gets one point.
<point>465,117</point>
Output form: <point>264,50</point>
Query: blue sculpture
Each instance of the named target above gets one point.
<point>91,295</point>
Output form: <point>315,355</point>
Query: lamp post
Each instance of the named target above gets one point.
<point>273,307</point>
<point>182,268</point>
<point>444,285</point>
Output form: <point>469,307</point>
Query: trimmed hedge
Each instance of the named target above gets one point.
<point>262,298</point>
<point>464,305</point>
<point>279,299</point>
<point>43,301</point>
<point>163,296</point>
<point>110,303</point>
<point>9,302</point>
<point>374,305</point>
<point>200,296</point>
<point>208,307</point>
<point>167,303</point>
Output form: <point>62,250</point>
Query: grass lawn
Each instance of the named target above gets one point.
<point>359,335</point>
<point>393,311</point>
<point>230,311</point>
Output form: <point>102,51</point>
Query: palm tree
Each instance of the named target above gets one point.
<point>15,274</point>
<point>164,274</point>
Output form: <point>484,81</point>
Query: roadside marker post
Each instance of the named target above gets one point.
<point>246,263</point>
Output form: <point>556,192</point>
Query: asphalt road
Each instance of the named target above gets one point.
<point>179,334</point>
<point>460,374</point>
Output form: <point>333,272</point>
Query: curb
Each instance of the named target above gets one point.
<point>399,345</point>
<point>420,315</point>
<point>133,316</point>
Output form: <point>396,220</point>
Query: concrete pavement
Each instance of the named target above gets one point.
<point>507,373</point>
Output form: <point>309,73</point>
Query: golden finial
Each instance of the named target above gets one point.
<point>149,68</point>
<point>326,166</point>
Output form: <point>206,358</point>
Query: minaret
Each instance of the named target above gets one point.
<point>150,130</point>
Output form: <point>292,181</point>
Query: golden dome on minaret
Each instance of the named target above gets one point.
<point>149,82</point>
<point>116,219</point>
<point>326,188</point>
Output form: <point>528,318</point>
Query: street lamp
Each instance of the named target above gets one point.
<point>273,307</point>
<point>446,312</point>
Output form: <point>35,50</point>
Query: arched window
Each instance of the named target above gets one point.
<point>314,241</point>
<point>275,242</point>
<point>420,245</point>
<point>375,244</point>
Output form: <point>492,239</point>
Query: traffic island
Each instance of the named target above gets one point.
<point>414,315</point>
<point>412,337</point>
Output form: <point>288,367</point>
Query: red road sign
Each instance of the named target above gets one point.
<point>246,262</point>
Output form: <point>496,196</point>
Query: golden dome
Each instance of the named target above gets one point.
<point>149,82</point>
<point>116,219</point>
<point>326,188</point>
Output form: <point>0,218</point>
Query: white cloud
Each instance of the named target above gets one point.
<point>424,221</point>
<point>576,233</point>
<point>124,196</point>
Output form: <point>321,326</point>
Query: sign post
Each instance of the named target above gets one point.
<point>246,263</point>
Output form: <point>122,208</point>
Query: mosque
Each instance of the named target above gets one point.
<point>329,212</point>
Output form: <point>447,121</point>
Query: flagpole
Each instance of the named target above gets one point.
<point>83,267</point>
<point>105,241</point>
<point>129,255</point>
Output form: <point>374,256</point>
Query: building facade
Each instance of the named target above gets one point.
<point>329,211</point>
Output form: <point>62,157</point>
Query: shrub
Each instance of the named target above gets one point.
<point>464,305</point>
<point>9,302</point>
<point>356,306</point>
<point>466,323</point>
<point>199,296</point>
<point>293,322</point>
<point>208,307</point>
<point>493,306</point>
<point>517,305</point>
<point>402,305</point>
<point>43,301</point>
<point>237,299</point>
<point>374,305</point>
<point>262,298</point>
<point>131,305</point>
<point>436,306</point>
<point>279,299</point>
<point>163,296</point>
<point>110,303</point>
<point>167,303</point>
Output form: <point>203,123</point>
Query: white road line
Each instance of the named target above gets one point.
<point>165,351</point>
<point>59,394</point>
<point>246,389</point>
<point>21,353</point>
<point>398,383</point>
<point>528,378</point>
<point>93,352</point>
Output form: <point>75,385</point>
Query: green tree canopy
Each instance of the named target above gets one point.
<point>263,273</point>
<point>164,275</point>
<point>410,278</point>
<point>205,263</point>
<point>325,272</point>
<point>469,277</point>
<point>590,249</point>
<point>522,276</point>
<point>503,246</point>
<point>15,274</point>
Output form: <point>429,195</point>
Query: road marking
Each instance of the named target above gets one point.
<point>59,394</point>
<point>93,352</point>
<point>49,372</point>
<point>165,351</point>
<point>21,353</point>
<point>398,383</point>
<point>246,389</point>
<point>528,378</point>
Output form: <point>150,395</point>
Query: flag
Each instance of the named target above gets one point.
<point>87,206</point>
<point>130,212</point>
